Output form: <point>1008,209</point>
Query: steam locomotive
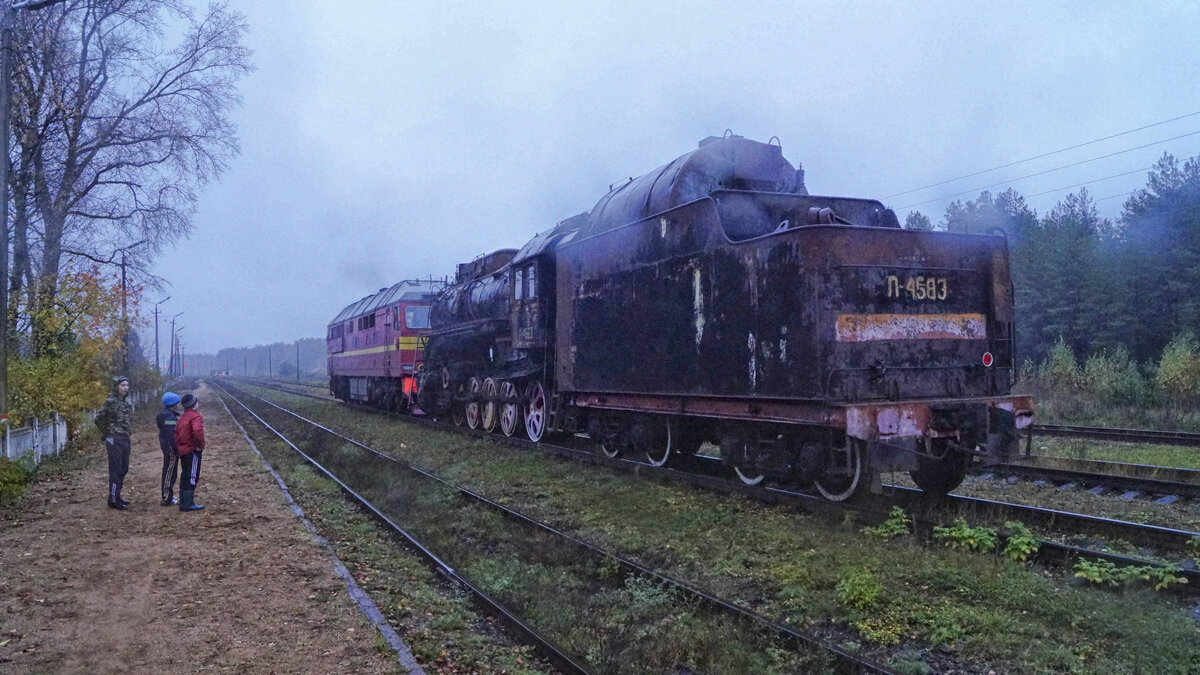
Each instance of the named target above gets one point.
<point>713,305</point>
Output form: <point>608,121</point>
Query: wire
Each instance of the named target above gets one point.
<point>1118,175</point>
<point>1058,168</point>
<point>1048,154</point>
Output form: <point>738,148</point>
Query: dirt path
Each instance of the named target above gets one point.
<point>240,586</point>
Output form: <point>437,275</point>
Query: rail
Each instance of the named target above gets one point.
<point>1180,438</point>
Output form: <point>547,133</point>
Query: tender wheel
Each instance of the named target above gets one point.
<point>535,410</point>
<point>472,408</point>
<point>842,477</point>
<point>737,451</point>
<point>938,477</point>
<point>658,442</point>
<point>488,414</point>
<point>510,410</point>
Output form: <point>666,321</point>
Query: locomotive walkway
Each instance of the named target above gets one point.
<point>241,586</point>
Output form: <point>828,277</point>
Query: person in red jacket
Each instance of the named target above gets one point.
<point>189,436</point>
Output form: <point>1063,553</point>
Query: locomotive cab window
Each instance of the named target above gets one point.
<point>531,281</point>
<point>519,285</point>
<point>416,317</point>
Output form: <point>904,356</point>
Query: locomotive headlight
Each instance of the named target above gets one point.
<point>987,359</point>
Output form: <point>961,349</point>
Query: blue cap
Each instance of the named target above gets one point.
<point>170,398</point>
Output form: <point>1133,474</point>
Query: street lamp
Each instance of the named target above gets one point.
<point>6,31</point>
<point>171,368</point>
<point>157,363</point>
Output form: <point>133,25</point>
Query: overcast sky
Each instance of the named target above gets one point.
<point>384,140</point>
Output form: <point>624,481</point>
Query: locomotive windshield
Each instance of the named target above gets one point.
<point>416,316</point>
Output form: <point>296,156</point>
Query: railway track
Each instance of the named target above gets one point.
<point>843,660</point>
<point>1180,438</point>
<point>1161,541</point>
<point>1102,477</point>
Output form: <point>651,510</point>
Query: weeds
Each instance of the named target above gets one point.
<point>897,524</point>
<point>859,589</point>
<point>1107,573</point>
<point>1021,542</point>
<point>960,535</point>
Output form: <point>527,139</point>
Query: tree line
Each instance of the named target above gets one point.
<point>1130,285</point>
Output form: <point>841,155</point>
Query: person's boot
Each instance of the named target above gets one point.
<point>114,502</point>
<point>170,500</point>
<point>185,501</point>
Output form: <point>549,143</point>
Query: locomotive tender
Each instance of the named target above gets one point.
<point>809,338</point>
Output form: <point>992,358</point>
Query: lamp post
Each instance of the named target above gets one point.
<point>171,367</point>
<point>125,307</point>
<point>7,10</point>
<point>157,363</point>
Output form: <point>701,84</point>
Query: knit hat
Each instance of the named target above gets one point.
<point>170,398</point>
<point>188,401</point>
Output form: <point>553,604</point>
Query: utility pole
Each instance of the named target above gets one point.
<point>270,365</point>
<point>171,366</point>
<point>7,17</point>
<point>245,365</point>
<point>297,360</point>
<point>157,363</point>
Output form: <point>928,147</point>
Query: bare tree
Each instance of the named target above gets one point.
<point>115,131</point>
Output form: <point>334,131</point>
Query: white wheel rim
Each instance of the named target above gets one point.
<point>611,454</point>
<point>856,460</point>
<point>667,449</point>
<point>488,418</point>
<point>748,480</point>
<point>473,406</point>
<point>535,411</point>
<point>508,411</point>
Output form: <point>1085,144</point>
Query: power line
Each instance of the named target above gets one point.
<point>1057,168</point>
<point>1048,154</point>
<point>1117,175</point>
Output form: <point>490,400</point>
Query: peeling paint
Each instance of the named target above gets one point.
<point>875,327</point>
<point>752,344</point>
<point>697,304</point>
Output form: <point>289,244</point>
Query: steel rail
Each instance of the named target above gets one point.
<point>1140,484</point>
<point>1180,438</point>
<point>544,645</point>
<point>857,663</point>
<point>914,500</point>
<point>1101,466</point>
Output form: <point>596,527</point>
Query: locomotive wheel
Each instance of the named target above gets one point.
<point>487,416</point>
<point>659,447</point>
<point>739,456</point>
<point>472,408</point>
<point>535,410</point>
<point>937,477</point>
<point>510,411</point>
<point>841,479</point>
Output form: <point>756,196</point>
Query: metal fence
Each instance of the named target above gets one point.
<point>36,440</point>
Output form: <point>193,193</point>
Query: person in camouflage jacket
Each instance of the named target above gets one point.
<point>114,420</point>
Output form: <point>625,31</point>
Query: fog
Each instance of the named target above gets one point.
<point>385,140</point>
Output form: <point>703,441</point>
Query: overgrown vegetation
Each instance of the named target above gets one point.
<point>1107,573</point>
<point>945,608</point>
<point>1113,389</point>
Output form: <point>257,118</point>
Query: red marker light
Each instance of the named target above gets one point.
<point>987,359</point>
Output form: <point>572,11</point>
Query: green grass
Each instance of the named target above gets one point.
<point>935,605</point>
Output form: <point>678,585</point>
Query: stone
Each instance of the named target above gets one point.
<point>1098,490</point>
<point>1167,500</point>
<point>1067,486</point>
<point>1129,495</point>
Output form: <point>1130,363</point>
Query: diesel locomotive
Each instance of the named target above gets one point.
<point>713,305</point>
<point>374,345</point>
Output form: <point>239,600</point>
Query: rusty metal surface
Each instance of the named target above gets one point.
<point>786,412</point>
<point>873,327</point>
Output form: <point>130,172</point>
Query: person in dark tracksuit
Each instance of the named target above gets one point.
<point>189,437</point>
<point>114,420</point>
<point>166,420</point>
